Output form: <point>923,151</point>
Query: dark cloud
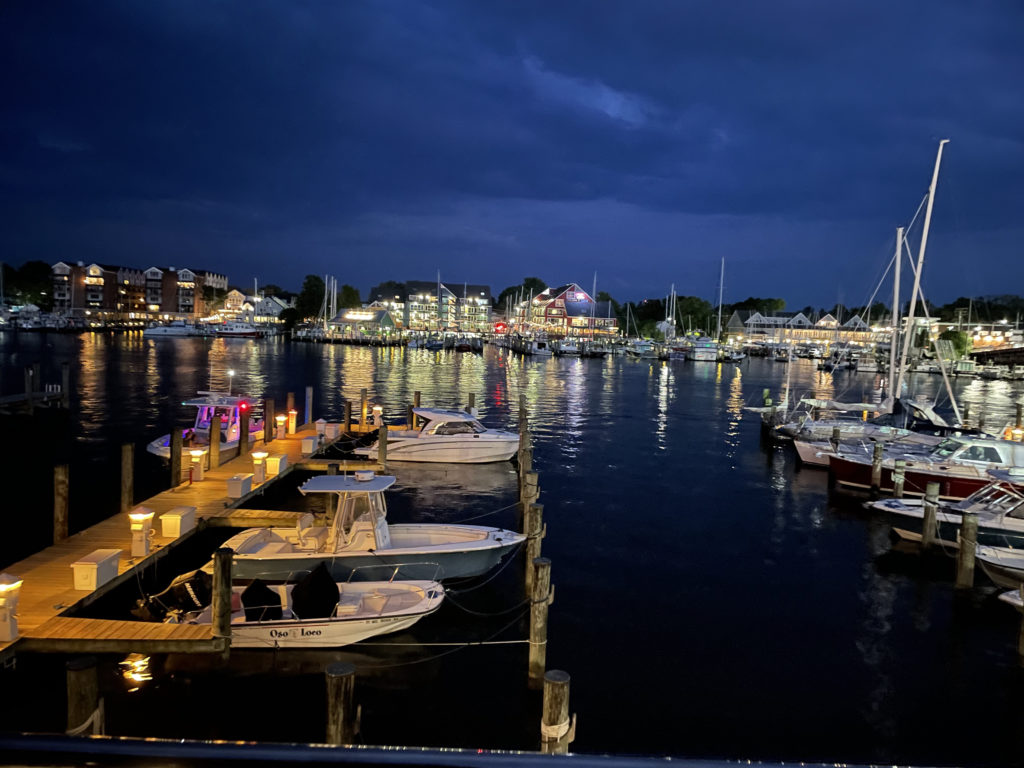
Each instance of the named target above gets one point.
<point>500,139</point>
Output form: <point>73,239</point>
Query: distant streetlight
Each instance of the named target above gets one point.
<point>231,375</point>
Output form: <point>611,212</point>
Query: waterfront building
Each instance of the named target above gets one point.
<point>785,327</point>
<point>372,322</point>
<point>567,310</point>
<point>102,293</point>
<point>435,306</point>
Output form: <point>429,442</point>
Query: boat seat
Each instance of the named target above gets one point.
<point>310,538</point>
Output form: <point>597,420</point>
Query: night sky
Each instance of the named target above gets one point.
<point>491,141</point>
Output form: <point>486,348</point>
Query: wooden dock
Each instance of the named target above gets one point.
<point>48,592</point>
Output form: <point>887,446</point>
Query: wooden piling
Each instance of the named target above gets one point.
<point>243,431</point>
<point>342,719</point>
<point>541,599</point>
<point>309,405</point>
<point>966,414</point>
<point>65,385</point>
<point>837,434</point>
<point>899,476</point>
<point>348,416</point>
<point>929,521</point>
<point>363,408</point>
<point>414,422</point>
<point>534,530</point>
<point>965,555</point>
<point>1020,415</point>
<point>29,389</point>
<point>522,414</point>
<point>175,457</point>
<point>83,697</point>
<point>127,477</point>
<point>382,446</point>
<point>269,423</point>
<point>221,605</point>
<point>877,452</point>
<point>472,402</point>
<point>410,417</point>
<point>215,427</point>
<point>556,731</point>
<point>289,403</point>
<point>981,420</point>
<point>60,503</point>
<point>37,377</point>
<point>332,469</point>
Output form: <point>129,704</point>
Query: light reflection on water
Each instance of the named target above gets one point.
<point>675,537</point>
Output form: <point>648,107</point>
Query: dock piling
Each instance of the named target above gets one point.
<point>966,414</point>
<point>1019,415</point>
<point>899,476</point>
<point>557,729</point>
<point>60,503</point>
<point>222,595</point>
<point>929,521</point>
<point>348,416</point>
<point>289,402</point>
<point>877,453</point>
<point>127,477</point>
<point>965,555</point>
<point>215,427</point>
<point>85,708</point>
<point>363,405</point>
<point>342,715</point>
<point>269,423</point>
<point>413,424</point>
<point>175,457</point>
<point>243,431</point>
<point>834,440</point>
<point>540,599</point>
<point>309,405</point>
<point>29,388</point>
<point>472,403</point>
<point>382,446</point>
<point>534,530</point>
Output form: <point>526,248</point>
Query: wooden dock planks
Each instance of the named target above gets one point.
<point>48,587</point>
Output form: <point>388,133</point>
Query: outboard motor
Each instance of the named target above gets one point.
<point>190,591</point>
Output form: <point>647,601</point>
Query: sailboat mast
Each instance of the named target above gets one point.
<point>920,263</point>
<point>721,281</point>
<point>895,312</point>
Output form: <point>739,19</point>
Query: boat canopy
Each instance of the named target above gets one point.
<point>835,405</point>
<point>218,399</point>
<point>346,484</point>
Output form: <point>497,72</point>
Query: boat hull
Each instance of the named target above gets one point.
<point>468,450</point>
<point>856,475</point>
<point>909,516</point>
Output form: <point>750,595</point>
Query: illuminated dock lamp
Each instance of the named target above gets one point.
<point>259,466</point>
<point>280,419</point>
<point>378,415</point>
<point>10,587</point>
<point>293,416</point>
<point>142,531</point>
<point>198,463</point>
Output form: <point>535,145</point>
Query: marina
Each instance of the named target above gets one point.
<point>617,421</point>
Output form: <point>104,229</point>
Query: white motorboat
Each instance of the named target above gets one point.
<point>319,612</point>
<point>177,328</point>
<point>357,536</point>
<point>210,406</point>
<point>703,350</point>
<point>447,436</point>
<point>1004,565</point>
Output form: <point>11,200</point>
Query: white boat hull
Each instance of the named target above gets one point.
<point>468,449</point>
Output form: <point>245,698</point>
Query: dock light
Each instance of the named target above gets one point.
<point>1017,435</point>
<point>10,588</point>
<point>198,463</point>
<point>259,466</point>
<point>280,419</point>
<point>378,415</point>
<point>293,416</point>
<point>142,531</point>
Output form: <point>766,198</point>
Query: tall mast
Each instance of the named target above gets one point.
<point>721,280</point>
<point>920,263</point>
<point>593,307</point>
<point>895,312</point>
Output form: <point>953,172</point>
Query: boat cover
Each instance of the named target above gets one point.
<point>316,595</point>
<point>260,602</point>
<point>190,591</point>
<point>346,483</point>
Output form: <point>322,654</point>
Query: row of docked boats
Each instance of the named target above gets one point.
<point>231,329</point>
<point>345,577</point>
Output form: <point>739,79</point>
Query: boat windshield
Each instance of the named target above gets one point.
<point>460,428</point>
<point>946,448</point>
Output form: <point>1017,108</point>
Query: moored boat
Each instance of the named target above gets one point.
<point>211,406</point>
<point>447,437</point>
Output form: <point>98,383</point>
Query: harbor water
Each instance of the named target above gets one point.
<point>712,597</point>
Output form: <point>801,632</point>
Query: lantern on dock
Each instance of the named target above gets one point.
<point>280,419</point>
<point>142,531</point>
<point>259,466</point>
<point>378,415</point>
<point>10,588</point>
<point>198,463</point>
<point>293,417</point>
